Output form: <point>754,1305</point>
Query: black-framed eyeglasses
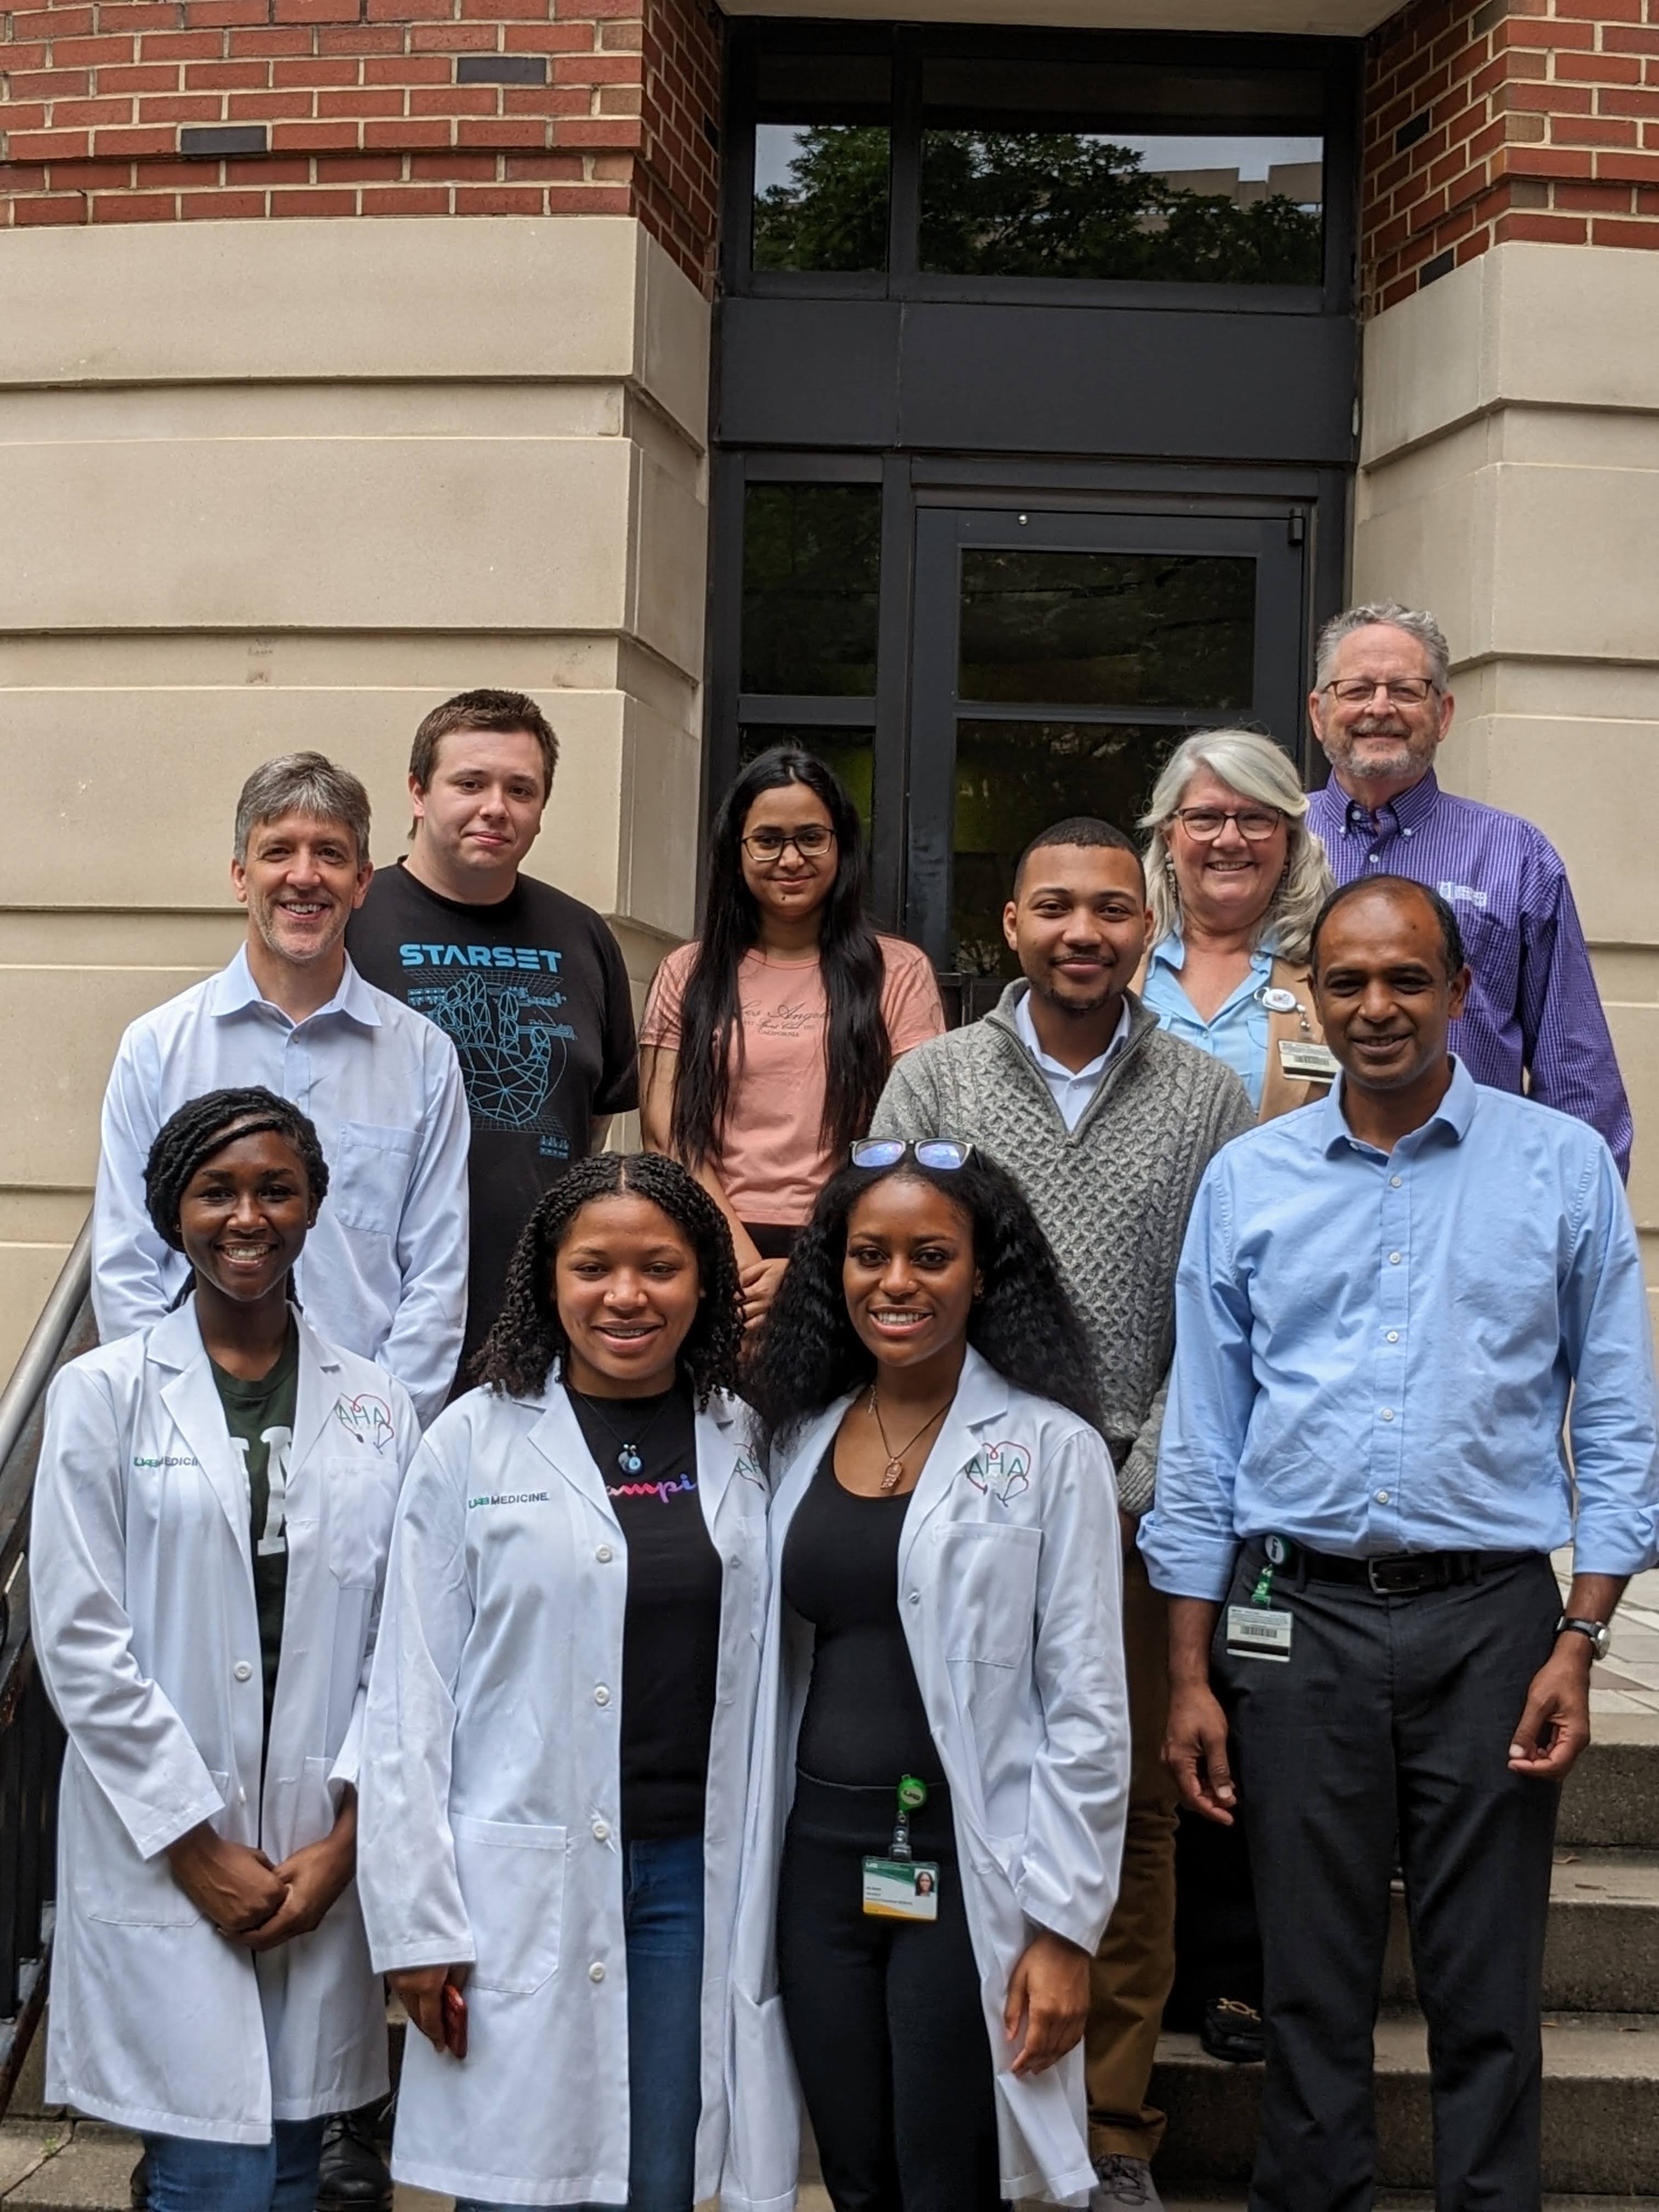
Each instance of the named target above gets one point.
<point>940,1152</point>
<point>812,843</point>
<point>1255,823</point>
<point>1402,691</point>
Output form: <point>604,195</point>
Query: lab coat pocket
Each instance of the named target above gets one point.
<point>511,1878</point>
<point>359,1510</point>
<point>987,1579</point>
<point>114,1884</point>
<point>369,1175</point>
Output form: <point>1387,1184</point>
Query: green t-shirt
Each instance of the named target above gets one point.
<point>260,1418</point>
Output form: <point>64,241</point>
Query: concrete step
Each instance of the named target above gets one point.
<point>1602,1946</point>
<point>1611,1801</point>
<point>1601,2107</point>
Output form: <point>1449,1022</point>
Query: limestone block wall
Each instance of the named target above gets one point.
<point>273,484</point>
<point>1509,480</point>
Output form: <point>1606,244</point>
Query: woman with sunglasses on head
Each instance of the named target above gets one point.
<point>766,1043</point>
<point>1234,878</point>
<point>557,1739</point>
<point>211,1524</point>
<point>942,1695</point>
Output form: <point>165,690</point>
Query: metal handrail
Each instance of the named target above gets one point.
<point>38,1360</point>
<point>31,1740</point>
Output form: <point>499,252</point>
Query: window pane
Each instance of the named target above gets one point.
<point>1108,629</point>
<point>821,162</point>
<point>811,558</point>
<point>851,753</point>
<point>1013,779</point>
<point>1194,210</point>
<point>1114,170</point>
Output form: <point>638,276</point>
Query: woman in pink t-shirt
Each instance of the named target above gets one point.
<point>767,1041</point>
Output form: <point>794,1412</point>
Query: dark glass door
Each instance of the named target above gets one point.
<point>1059,658</point>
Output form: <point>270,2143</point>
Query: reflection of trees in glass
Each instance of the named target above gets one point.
<point>832,214</point>
<point>1015,778</point>
<point>1108,630</point>
<point>1064,204</point>
<point>811,560</point>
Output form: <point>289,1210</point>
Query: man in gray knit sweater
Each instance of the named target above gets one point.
<point>1107,1123</point>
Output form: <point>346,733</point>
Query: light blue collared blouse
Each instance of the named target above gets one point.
<point>1237,1033</point>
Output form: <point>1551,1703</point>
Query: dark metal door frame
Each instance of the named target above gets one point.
<point>1276,543</point>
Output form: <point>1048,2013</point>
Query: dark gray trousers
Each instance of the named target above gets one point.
<point>1391,1725</point>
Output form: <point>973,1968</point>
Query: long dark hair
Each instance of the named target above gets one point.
<point>528,1335</point>
<point>857,1051</point>
<point>1024,1321</point>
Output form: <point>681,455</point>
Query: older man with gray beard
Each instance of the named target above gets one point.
<point>1382,705</point>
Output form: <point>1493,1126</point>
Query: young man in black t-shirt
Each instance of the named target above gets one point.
<point>528,982</point>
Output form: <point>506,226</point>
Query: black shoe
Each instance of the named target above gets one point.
<point>353,2176</point>
<point>1233,2031</point>
<point>138,2184</point>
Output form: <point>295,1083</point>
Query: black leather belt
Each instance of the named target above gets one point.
<point>1405,1574</point>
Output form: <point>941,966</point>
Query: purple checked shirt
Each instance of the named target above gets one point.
<point>1533,1004</point>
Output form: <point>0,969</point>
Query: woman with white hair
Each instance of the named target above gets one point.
<point>1234,877</point>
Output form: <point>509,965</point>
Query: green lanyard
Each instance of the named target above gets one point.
<point>912,1797</point>
<point>1263,1592</point>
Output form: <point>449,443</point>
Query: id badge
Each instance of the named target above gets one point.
<point>1313,1063</point>
<point>1257,1631</point>
<point>901,1889</point>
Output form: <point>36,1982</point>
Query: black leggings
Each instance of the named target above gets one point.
<point>889,2038</point>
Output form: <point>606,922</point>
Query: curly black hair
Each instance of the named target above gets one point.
<point>204,1126</point>
<point>1024,1321</point>
<point>528,1335</point>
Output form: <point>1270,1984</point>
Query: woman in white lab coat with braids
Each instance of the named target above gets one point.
<point>211,1523</point>
<point>559,1720</point>
<point>942,1739</point>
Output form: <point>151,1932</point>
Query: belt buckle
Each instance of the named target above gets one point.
<point>1398,1576</point>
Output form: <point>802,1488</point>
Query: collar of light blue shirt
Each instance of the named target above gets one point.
<point>1170,952</point>
<point>1455,1112</point>
<point>1094,1069</point>
<point>234,989</point>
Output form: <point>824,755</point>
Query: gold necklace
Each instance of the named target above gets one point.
<point>893,1473</point>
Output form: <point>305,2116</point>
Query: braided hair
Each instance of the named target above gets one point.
<point>1024,1321</point>
<point>529,1335</point>
<point>204,1126</point>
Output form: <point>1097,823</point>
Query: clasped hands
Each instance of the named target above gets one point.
<point>254,1904</point>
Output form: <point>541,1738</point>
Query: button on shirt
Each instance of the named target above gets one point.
<point>1374,1351</point>
<point>1533,1004</point>
<point>1070,1089</point>
<point>384,1270</point>
<point>1236,1033</point>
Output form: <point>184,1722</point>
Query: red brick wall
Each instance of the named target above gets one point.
<point>1491,120</point>
<point>365,107</point>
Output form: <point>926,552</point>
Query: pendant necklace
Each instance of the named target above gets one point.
<point>893,1473</point>
<point>629,1459</point>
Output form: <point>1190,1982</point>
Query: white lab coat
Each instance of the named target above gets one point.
<point>384,1270</point>
<point>142,1588</point>
<point>491,1789</point>
<point>1009,1579</point>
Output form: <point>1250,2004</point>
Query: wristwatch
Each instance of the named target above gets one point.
<point>1600,1634</point>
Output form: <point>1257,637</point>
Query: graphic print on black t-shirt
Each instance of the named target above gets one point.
<point>507,1032</point>
<point>533,991</point>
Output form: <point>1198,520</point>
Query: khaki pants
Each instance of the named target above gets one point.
<point>1134,1965</point>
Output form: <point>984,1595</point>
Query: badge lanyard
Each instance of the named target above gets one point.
<point>912,1797</point>
<point>1274,1000</point>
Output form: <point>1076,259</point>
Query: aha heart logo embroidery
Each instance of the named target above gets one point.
<point>1002,1470</point>
<point>367,1419</point>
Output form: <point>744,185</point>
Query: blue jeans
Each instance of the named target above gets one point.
<point>280,2176</point>
<point>662,1922</point>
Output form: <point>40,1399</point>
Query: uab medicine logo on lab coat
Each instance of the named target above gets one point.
<point>1003,1470</point>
